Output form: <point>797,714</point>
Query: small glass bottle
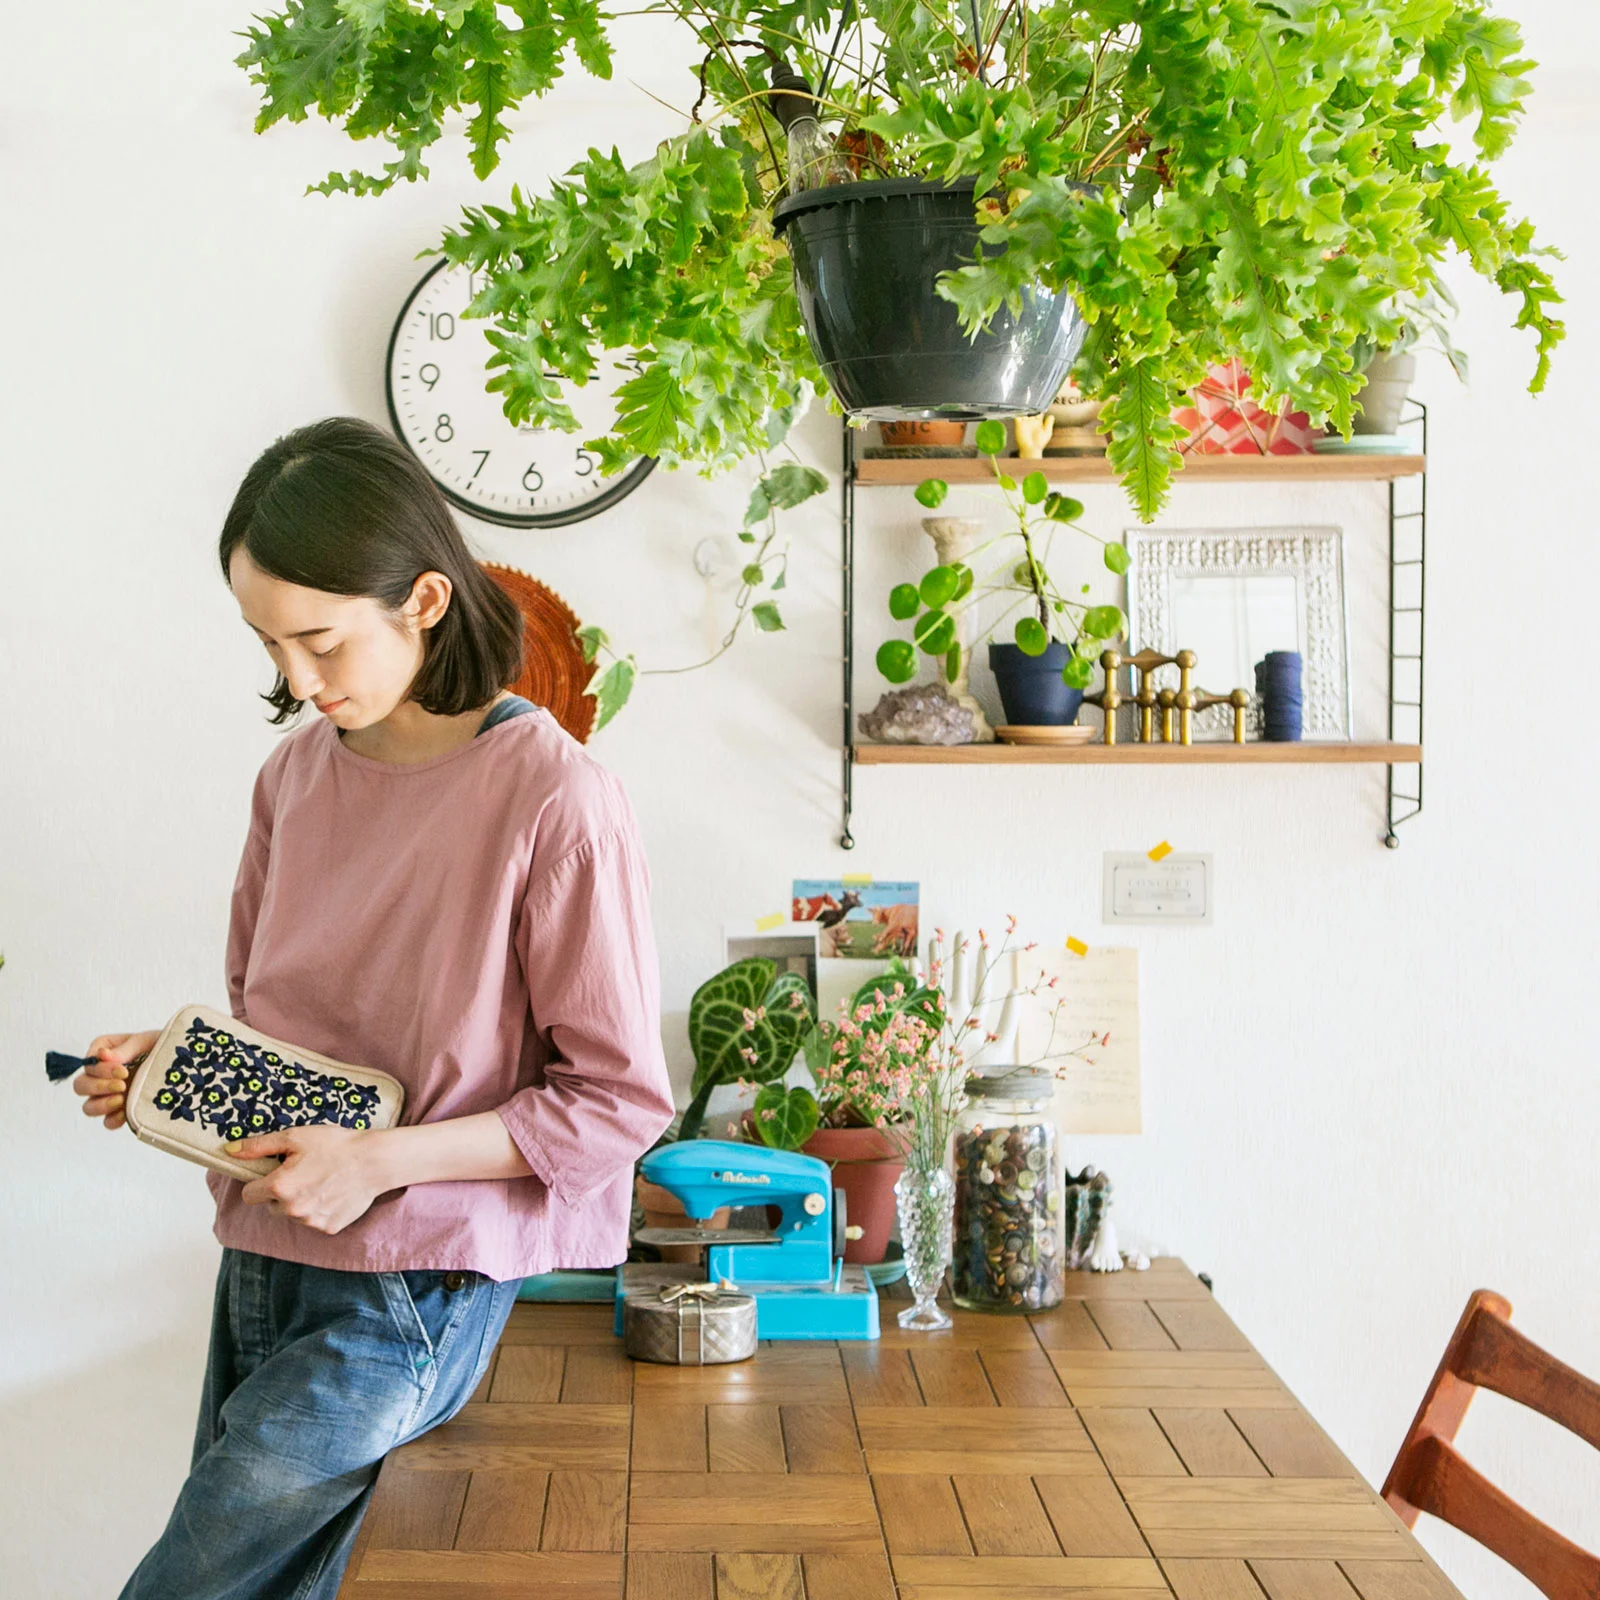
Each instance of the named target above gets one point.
<point>1008,1245</point>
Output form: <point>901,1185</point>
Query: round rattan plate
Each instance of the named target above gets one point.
<point>553,669</point>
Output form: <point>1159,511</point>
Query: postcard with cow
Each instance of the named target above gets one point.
<point>859,920</point>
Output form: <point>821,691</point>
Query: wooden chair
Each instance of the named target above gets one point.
<point>1486,1352</point>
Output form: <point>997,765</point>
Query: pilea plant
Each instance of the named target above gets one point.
<point>944,591</point>
<point>1214,179</point>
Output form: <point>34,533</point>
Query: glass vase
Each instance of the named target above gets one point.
<point>925,1199</point>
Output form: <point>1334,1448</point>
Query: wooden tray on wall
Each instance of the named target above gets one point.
<point>553,669</point>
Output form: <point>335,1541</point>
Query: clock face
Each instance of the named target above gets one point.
<point>515,474</point>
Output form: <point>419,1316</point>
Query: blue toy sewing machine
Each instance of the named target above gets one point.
<point>796,1272</point>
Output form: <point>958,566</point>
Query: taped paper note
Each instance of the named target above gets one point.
<point>1161,851</point>
<point>1099,991</point>
<point>1077,946</point>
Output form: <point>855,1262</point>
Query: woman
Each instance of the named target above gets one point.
<point>439,882</point>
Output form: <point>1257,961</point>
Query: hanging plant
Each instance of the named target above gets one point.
<point>1271,181</point>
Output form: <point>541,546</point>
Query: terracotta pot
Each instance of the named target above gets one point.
<point>903,435</point>
<point>663,1209</point>
<point>866,1162</point>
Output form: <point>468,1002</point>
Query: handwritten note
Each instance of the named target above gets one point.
<point>1099,998</point>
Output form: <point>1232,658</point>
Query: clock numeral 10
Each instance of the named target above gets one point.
<point>441,325</point>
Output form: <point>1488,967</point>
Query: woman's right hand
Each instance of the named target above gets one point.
<point>105,1085</point>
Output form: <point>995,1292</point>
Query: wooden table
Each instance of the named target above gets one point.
<point>1129,1445</point>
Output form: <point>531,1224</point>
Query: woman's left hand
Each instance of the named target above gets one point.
<point>328,1177</point>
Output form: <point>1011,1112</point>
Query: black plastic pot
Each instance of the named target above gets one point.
<point>1030,687</point>
<point>865,259</point>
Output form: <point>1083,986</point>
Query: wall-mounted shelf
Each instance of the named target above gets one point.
<point>1322,753</point>
<point>1401,753</point>
<point>874,471</point>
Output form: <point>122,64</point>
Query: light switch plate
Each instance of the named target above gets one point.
<point>1175,891</point>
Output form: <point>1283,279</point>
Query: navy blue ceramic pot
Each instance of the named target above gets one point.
<point>1030,687</point>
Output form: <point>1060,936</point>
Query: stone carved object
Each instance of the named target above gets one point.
<point>921,713</point>
<point>953,538</point>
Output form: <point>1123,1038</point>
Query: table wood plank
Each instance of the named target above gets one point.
<point>1289,1443</point>
<point>752,1512</point>
<point>504,1509</point>
<point>1130,1325</point>
<point>1131,1441</point>
<point>1090,1517</point>
<point>759,1577</point>
<point>670,1575</point>
<point>1398,1580</point>
<point>1067,1327</point>
<point>586,1511</point>
<point>1209,1443</point>
<point>952,1378</point>
<point>1303,1580</point>
<point>1023,1378</point>
<point>821,1439</point>
<point>745,1439</point>
<point>413,1510</point>
<point>1005,1516</point>
<point>858,1577</point>
<point>1211,1580</point>
<point>1003,1577</point>
<point>879,1377</point>
<point>1198,1325</point>
<point>669,1438</point>
<point>529,1373</point>
<point>920,1516</point>
<point>443,1574</point>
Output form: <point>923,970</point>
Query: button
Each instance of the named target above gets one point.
<point>454,1280</point>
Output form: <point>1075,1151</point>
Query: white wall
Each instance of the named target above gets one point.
<point>1369,1088</point>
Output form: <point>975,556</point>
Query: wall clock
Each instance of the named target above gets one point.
<point>517,475</point>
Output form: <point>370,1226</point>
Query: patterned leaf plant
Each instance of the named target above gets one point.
<point>744,1023</point>
<point>1272,180</point>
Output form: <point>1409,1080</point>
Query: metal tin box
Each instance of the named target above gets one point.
<point>689,1325</point>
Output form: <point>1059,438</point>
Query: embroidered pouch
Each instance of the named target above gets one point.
<point>209,1079</point>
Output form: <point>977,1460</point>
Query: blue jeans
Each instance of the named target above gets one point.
<point>313,1376</point>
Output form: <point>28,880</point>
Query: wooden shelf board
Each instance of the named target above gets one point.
<point>1320,753</point>
<point>876,471</point>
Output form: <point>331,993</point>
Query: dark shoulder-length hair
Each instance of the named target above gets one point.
<point>343,506</point>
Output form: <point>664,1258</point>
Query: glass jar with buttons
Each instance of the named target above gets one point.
<point>1009,1250</point>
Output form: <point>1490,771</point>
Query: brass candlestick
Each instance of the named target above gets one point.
<point>1185,700</point>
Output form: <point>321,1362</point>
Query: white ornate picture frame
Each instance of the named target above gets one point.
<point>1313,557</point>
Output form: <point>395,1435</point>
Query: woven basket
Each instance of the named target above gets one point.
<point>553,669</point>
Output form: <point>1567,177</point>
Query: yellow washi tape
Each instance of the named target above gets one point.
<point>1161,851</point>
<point>1077,946</point>
<point>856,877</point>
<point>765,923</point>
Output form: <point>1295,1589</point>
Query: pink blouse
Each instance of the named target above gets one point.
<point>478,925</point>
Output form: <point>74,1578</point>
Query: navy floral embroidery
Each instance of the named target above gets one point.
<point>237,1089</point>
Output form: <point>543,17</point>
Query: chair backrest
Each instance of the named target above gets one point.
<point>1486,1352</point>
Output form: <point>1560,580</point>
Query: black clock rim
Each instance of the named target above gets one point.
<point>620,490</point>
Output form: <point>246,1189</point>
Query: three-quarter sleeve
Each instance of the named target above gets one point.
<point>248,887</point>
<point>588,953</point>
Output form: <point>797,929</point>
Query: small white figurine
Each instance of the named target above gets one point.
<point>1137,1260</point>
<point>1105,1257</point>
